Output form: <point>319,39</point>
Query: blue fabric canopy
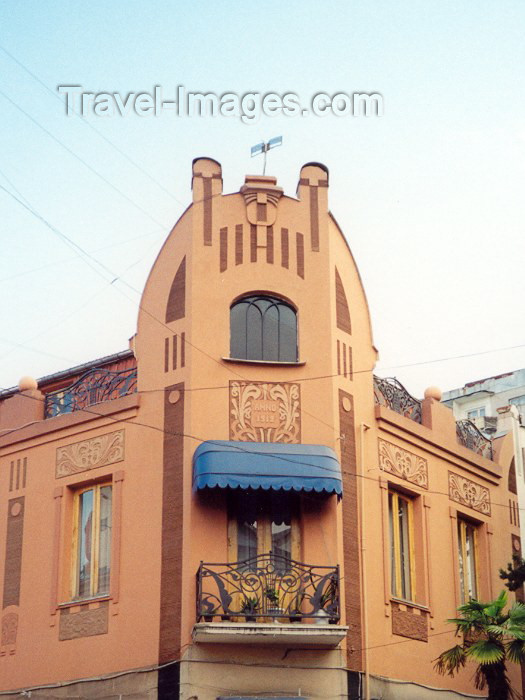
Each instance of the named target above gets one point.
<point>266,465</point>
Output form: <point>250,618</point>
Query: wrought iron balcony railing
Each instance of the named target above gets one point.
<point>265,588</point>
<point>93,387</point>
<point>469,436</point>
<point>391,393</point>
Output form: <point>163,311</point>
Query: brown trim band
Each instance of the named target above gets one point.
<point>172,521</point>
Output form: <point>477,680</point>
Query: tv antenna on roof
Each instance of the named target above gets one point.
<point>265,147</point>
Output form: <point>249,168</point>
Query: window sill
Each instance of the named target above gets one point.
<point>275,363</point>
<point>410,604</point>
<point>83,601</point>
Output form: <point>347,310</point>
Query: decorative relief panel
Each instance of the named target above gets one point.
<point>9,629</point>
<point>468,493</point>
<point>88,454</point>
<point>405,465</point>
<point>85,623</point>
<point>408,623</point>
<point>265,412</point>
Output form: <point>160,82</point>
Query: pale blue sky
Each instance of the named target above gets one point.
<point>430,196</point>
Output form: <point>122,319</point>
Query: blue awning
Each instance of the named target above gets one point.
<point>266,465</point>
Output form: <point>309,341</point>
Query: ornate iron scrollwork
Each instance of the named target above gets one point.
<point>469,436</point>
<point>268,586</point>
<point>391,393</point>
<point>93,387</point>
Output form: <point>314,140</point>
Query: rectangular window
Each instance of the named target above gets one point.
<point>400,513</point>
<point>476,413</point>
<point>468,577</point>
<point>265,522</point>
<point>92,541</point>
<point>518,400</point>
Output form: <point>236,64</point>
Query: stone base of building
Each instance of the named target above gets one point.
<point>132,685</point>
<point>210,671</point>
<point>242,674</point>
<point>391,689</point>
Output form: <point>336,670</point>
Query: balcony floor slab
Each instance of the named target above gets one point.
<point>261,633</point>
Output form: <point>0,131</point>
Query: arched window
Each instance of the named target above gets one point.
<point>263,328</point>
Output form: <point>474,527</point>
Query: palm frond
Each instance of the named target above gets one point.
<point>486,651</point>
<point>517,612</point>
<point>516,651</point>
<point>495,607</point>
<point>473,606</point>
<point>451,661</point>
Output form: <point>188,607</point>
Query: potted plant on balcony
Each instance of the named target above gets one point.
<point>273,598</point>
<point>296,614</point>
<point>327,600</point>
<point>208,612</point>
<point>249,607</point>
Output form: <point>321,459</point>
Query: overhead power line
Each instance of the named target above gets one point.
<point>81,160</point>
<point>95,130</point>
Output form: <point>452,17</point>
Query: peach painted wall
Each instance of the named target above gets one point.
<point>207,238</point>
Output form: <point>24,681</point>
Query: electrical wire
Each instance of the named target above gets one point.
<point>70,242</point>
<point>81,160</point>
<point>238,447</point>
<point>96,131</point>
<point>82,252</point>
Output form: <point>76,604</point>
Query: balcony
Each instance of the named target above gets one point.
<point>93,387</point>
<point>269,599</point>
<point>392,394</point>
<point>469,436</point>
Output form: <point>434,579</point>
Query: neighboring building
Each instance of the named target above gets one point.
<point>236,507</point>
<point>496,406</point>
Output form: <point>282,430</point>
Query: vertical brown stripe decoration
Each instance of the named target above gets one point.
<point>341,306</point>
<point>253,243</point>
<point>206,210</point>
<point>338,357</point>
<point>352,580</point>
<point>166,354</point>
<point>314,218</point>
<point>350,364</point>
<point>13,551</point>
<point>24,473</point>
<point>261,212</point>
<point>11,476</point>
<point>285,250</point>
<point>223,254</point>
<point>300,254</point>
<point>176,306</point>
<point>17,474</point>
<point>172,495</point>
<point>174,348</point>
<point>269,245</point>
<point>238,244</point>
<point>183,349</point>
<point>344,359</point>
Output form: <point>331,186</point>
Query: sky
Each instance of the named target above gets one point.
<point>430,195</point>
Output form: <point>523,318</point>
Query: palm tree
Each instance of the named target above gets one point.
<point>491,637</point>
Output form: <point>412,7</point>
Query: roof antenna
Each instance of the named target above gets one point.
<point>265,147</point>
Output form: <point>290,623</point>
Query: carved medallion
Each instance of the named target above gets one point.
<point>404,464</point>
<point>468,493</point>
<point>88,454</point>
<point>265,412</point>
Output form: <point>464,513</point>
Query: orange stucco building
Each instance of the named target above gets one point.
<point>235,507</point>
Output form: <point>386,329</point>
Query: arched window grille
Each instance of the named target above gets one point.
<point>263,328</point>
